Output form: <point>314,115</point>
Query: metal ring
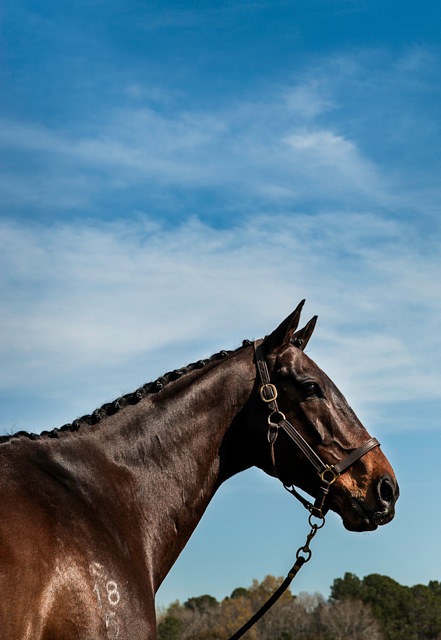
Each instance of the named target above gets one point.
<point>307,551</point>
<point>281,416</point>
<point>272,390</point>
<point>320,518</point>
<point>330,470</point>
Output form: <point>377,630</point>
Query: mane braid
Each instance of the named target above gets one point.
<point>110,408</point>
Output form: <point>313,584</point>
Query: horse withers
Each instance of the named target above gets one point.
<point>94,514</point>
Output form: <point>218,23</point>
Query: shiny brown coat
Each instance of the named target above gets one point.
<point>94,515</point>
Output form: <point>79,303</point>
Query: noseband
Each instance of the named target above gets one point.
<point>328,474</point>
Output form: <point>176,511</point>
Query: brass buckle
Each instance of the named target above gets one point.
<point>329,470</point>
<point>272,389</point>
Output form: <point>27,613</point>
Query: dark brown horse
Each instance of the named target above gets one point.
<point>93,515</point>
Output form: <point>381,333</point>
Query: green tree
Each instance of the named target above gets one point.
<point>348,587</point>
<point>373,608</point>
<point>424,611</point>
<point>201,603</point>
<point>239,592</point>
<point>404,613</point>
<point>169,628</point>
<point>387,598</point>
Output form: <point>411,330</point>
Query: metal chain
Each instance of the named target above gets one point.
<point>303,555</point>
<point>305,549</point>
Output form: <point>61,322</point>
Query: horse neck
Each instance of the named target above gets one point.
<point>167,456</point>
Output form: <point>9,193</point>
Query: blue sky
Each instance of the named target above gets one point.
<point>175,177</point>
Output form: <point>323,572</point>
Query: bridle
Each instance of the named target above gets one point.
<point>327,473</point>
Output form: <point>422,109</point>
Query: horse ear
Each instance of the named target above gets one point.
<point>301,338</point>
<point>284,332</point>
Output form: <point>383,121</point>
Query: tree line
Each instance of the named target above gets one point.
<point>372,608</point>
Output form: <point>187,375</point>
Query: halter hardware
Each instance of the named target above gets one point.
<point>272,389</point>
<point>330,479</point>
<point>328,474</point>
<point>272,421</point>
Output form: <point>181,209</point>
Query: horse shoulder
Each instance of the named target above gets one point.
<point>62,575</point>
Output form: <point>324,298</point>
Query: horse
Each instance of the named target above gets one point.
<point>95,513</point>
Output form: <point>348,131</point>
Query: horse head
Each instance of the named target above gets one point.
<point>361,483</point>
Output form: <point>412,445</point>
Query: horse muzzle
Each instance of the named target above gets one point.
<point>367,513</point>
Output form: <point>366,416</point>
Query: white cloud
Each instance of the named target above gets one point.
<point>260,148</point>
<point>346,132</point>
<point>95,302</point>
<point>309,99</point>
<point>340,159</point>
<point>117,304</point>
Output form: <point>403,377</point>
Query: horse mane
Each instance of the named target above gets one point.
<point>129,399</point>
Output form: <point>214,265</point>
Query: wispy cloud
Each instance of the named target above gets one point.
<point>296,145</point>
<point>96,301</point>
<point>110,304</point>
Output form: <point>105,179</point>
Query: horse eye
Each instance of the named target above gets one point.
<point>311,389</point>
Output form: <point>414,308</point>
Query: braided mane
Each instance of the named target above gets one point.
<point>110,408</point>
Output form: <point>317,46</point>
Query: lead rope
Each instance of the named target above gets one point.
<point>303,556</point>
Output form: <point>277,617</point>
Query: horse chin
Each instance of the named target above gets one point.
<point>357,517</point>
<point>358,522</point>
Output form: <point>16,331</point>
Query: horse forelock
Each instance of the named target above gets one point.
<point>129,399</point>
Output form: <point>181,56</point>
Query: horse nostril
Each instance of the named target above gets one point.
<point>386,490</point>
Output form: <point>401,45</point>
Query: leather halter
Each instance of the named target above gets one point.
<point>327,474</point>
<point>277,420</point>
